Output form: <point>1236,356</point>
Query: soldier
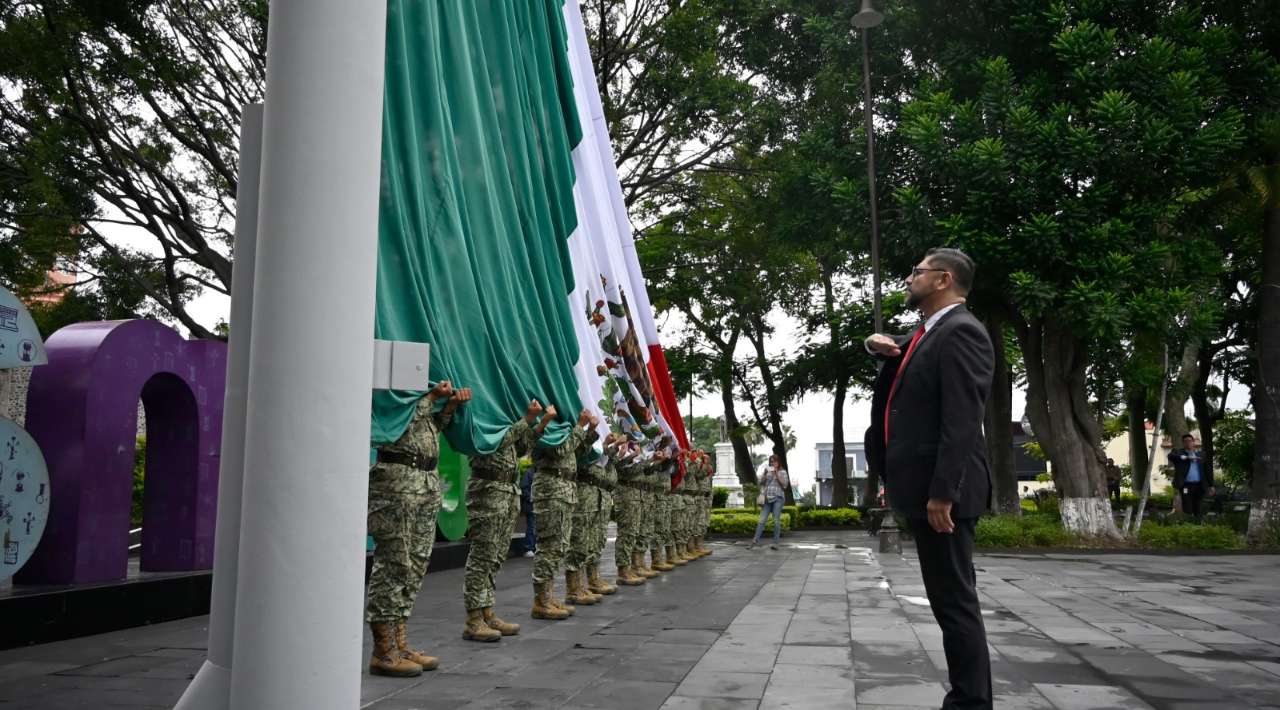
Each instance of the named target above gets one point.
<point>660,501</point>
<point>493,502</point>
<point>554,498</point>
<point>630,512</point>
<point>704,516</point>
<point>675,540</point>
<point>585,513</point>
<point>404,498</point>
<point>607,483</point>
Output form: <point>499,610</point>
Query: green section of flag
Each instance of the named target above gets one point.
<point>477,203</point>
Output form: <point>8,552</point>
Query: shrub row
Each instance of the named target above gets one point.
<point>742,524</point>
<point>1043,530</point>
<point>1189,536</point>
<point>830,517</point>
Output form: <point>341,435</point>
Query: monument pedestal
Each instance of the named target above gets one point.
<point>726,476</point>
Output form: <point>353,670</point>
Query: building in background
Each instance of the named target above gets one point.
<point>856,458</point>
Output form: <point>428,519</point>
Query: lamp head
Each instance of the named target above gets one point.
<point>868,16</point>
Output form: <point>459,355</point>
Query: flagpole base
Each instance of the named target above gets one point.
<point>209,690</point>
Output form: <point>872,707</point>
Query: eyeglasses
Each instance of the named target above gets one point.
<point>917,271</point>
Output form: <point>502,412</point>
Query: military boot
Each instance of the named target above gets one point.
<point>638,565</point>
<point>386,659</point>
<point>597,584</point>
<point>628,576</point>
<point>542,606</point>
<point>555,601</point>
<point>682,553</point>
<point>574,592</point>
<point>656,561</point>
<point>706,551</point>
<point>477,630</point>
<point>674,558</point>
<point>502,627</point>
<point>428,663</point>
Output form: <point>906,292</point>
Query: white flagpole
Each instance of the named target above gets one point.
<point>299,581</point>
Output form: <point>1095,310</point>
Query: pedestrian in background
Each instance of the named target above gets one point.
<point>773,486</point>
<point>1192,475</point>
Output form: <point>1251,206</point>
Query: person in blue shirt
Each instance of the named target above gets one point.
<point>1192,475</point>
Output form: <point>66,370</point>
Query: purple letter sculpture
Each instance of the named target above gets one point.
<point>82,411</point>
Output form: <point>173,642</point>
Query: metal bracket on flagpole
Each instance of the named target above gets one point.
<point>401,365</point>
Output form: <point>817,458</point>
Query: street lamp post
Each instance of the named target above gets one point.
<point>867,18</point>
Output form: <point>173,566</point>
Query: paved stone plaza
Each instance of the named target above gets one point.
<point>822,622</point>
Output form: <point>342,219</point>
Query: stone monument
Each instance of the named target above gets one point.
<point>726,476</point>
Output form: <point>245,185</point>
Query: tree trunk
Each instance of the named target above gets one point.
<point>1058,406</point>
<point>998,425</point>
<point>1136,403</point>
<point>1264,517</point>
<point>741,452</point>
<point>773,401</point>
<point>839,466</point>
<point>1175,412</point>
<point>1208,414</point>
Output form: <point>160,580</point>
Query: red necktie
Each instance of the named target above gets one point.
<point>897,377</point>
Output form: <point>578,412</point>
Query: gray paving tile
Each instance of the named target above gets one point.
<point>1089,697</point>
<point>723,684</point>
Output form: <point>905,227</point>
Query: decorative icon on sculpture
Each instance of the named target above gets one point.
<point>24,507</point>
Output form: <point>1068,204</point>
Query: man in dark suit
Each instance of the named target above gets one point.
<point>1192,475</point>
<point>926,430</point>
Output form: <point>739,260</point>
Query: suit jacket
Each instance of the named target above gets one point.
<point>1180,469</point>
<point>936,447</point>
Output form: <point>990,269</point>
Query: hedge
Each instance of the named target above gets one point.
<point>1188,536</point>
<point>1044,530</point>
<point>830,517</point>
<point>742,524</point>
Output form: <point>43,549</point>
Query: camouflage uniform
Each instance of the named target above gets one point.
<point>554,499</point>
<point>662,506</point>
<point>708,495</point>
<point>403,502</point>
<point>607,485</point>
<point>493,502</point>
<point>679,514</point>
<point>630,513</point>
<point>586,513</point>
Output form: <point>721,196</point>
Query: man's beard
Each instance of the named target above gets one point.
<point>913,299</point>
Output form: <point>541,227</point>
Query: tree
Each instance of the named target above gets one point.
<point>674,95</point>
<point>704,432</point>
<point>1027,159</point>
<point>1265,513</point>
<point>124,117</point>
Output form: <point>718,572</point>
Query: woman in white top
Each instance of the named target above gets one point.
<point>773,486</point>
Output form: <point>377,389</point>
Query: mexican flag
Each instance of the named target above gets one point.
<point>609,280</point>
<point>503,239</point>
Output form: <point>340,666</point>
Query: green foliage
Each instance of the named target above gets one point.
<point>1234,439</point>
<point>831,517</point>
<point>1189,536</point>
<point>139,474</point>
<point>719,497</point>
<point>1158,501</point>
<point>749,493</point>
<point>1028,530</point>
<point>1029,505</point>
<point>704,432</point>
<point>125,112</point>
<point>741,523</point>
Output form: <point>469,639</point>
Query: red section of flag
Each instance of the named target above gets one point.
<point>665,393</point>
